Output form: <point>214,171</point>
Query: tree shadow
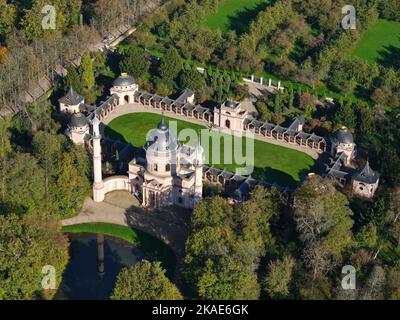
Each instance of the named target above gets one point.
<point>113,60</point>
<point>241,21</point>
<point>104,81</point>
<point>390,57</point>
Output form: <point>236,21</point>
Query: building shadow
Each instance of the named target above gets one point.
<point>110,133</point>
<point>274,176</point>
<point>162,234</point>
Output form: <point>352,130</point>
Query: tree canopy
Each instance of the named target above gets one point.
<point>145,281</point>
<point>27,244</point>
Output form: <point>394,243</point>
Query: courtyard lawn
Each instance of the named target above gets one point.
<point>151,247</point>
<point>272,163</point>
<point>235,15</point>
<point>380,44</point>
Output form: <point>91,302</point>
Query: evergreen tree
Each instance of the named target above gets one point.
<point>291,98</point>
<point>47,149</point>
<point>345,116</point>
<point>73,79</point>
<point>86,71</point>
<point>277,104</point>
<point>192,79</point>
<point>227,83</point>
<point>136,63</point>
<point>367,122</point>
<point>220,93</point>
<point>171,65</point>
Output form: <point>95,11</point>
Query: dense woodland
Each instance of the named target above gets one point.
<point>44,177</point>
<point>278,249</point>
<point>28,52</point>
<point>270,247</point>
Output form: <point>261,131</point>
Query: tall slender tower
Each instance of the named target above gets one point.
<point>98,185</point>
<point>198,166</point>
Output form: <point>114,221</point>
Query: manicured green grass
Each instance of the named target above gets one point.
<point>381,43</point>
<point>272,163</point>
<point>151,247</point>
<point>235,15</point>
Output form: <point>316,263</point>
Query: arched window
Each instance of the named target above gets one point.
<point>155,167</point>
<point>126,99</point>
<point>227,124</point>
<point>168,168</point>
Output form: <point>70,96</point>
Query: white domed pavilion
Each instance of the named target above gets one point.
<point>171,174</point>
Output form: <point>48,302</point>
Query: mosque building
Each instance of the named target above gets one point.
<point>170,173</point>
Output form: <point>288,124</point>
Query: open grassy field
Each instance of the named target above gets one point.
<point>150,246</point>
<point>271,162</point>
<point>235,15</point>
<point>380,44</point>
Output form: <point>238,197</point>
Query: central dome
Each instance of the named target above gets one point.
<point>161,140</point>
<point>162,125</point>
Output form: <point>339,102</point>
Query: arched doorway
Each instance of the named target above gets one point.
<point>126,98</point>
<point>227,124</point>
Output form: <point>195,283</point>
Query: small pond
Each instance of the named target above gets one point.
<point>95,261</point>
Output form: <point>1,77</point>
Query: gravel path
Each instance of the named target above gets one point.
<point>170,225</point>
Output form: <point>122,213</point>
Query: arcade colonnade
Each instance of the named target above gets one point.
<point>181,107</point>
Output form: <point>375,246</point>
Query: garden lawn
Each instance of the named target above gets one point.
<point>272,163</point>
<point>380,43</point>
<point>151,247</point>
<point>235,15</point>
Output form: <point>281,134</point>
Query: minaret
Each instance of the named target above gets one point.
<point>98,185</point>
<point>198,167</point>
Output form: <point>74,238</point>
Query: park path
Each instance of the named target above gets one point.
<point>137,107</point>
<point>171,225</point>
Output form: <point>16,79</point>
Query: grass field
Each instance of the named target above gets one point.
<point>272,163</point>
<point>380,44</point>
<point>235,15</point>
<point>151,247</point>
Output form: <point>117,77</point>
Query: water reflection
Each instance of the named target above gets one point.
<point>95,262</point>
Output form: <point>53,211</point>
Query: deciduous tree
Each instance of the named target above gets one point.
<point>144,281</point>
<point>27,244</point>
<point>279,277</point>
